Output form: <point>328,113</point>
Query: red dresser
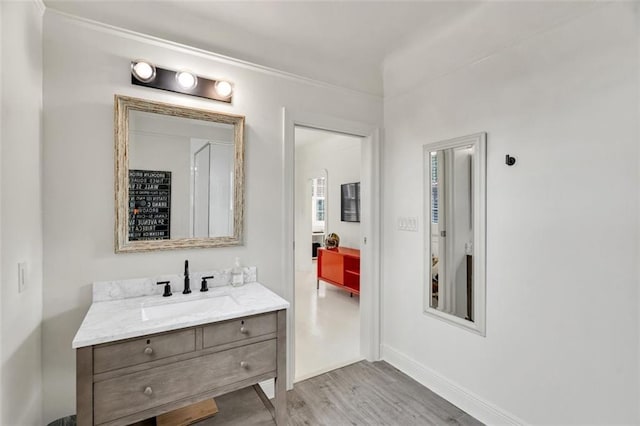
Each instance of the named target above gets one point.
<point>340,267</point>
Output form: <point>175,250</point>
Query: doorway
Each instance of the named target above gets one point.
<point>370,226</point>
<point>326,297</point>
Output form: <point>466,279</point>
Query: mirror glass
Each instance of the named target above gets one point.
<point>454,240</point>
<point>179,176</point>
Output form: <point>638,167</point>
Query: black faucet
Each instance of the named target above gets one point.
<point>167,288</point>
<point>203,285</point>
<point>187,289</point>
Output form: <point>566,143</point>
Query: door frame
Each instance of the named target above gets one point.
<point>370,313</point>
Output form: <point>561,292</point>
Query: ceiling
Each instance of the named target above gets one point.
<point>340,42</point>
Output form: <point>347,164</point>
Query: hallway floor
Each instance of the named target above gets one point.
<point>327,327</point>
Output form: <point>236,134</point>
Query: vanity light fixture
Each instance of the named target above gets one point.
<point>146,74</point>
<point>223,88</point>
<point>143,71</point>
<point>186,80</point>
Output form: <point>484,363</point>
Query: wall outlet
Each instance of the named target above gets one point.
<point>22,276</point>
<point>408,224</point>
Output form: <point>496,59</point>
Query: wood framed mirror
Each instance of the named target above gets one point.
<point>179,176</point>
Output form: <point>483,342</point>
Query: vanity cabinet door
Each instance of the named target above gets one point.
<point>137,351</point>
<point>132,393</point>
<point>240,329</point>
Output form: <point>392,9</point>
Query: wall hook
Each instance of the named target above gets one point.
<point>509,160</point>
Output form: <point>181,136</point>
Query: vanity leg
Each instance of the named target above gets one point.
<point>317,284</point>
<point>265,400</point>
<point>84,386</point>
<point>281,367</point>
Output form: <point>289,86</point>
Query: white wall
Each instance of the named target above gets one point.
<point>84,66</point>
<point>2,49</point>
<point>21,214</point>
<point>562,224</point>
<point>340,156</point>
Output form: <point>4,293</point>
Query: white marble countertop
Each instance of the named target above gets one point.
<point>112,320</point>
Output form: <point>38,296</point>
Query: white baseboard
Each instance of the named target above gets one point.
<point>452,392</point>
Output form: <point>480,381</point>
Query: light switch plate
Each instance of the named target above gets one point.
<point>408,224</point>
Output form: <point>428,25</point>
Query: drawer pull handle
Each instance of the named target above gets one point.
<point>148,391</point>
<point>148,350</point>
<point>243,330</point>
<point>244,364</point>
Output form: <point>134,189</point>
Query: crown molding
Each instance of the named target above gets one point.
<point>418,84</point>
<point>203,53</point>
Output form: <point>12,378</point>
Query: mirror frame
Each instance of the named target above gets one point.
<point>125,104</point>
<point>479,140</point>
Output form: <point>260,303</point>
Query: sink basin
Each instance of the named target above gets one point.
<point>189,307</point>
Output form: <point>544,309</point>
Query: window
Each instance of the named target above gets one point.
<point>434,187</point>
<point>317,204</point>
<point>319,210</point>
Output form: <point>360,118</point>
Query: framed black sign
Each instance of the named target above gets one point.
<point>149,205</point>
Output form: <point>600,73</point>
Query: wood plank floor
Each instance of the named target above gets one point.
<point>364,393</point>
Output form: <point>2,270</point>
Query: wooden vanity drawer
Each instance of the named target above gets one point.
<point>132,393</point>
<point>240,329</point>
<point>150,348</point>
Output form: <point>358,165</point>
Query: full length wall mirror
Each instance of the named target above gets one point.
<point>179,176</point>
<point>455,210</point>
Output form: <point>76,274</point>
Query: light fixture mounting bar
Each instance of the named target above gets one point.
<point>166,80</point>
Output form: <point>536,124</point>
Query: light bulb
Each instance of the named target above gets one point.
<point>223,88</point>
<point>143,71</point>
<point>186,80</point>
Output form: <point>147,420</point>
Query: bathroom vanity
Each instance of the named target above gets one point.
<point>139,357</point>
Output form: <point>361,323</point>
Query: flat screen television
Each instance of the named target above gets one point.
<point>350,202</point>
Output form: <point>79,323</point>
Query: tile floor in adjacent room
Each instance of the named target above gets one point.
<point>327,328</point>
